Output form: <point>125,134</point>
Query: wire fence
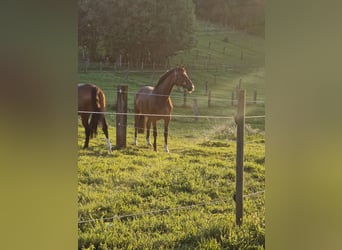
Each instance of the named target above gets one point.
<point>197,97</point>
<point>179,116</point>
<point>216,67</point>
<point>158,211</point>
<point>177,208</point>
<point>205,98</point>
<point>166,210</point>
<point>214,98</point>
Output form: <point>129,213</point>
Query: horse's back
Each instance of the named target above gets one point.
<point>84,97</point>
<point>142,99</point>
<point>90,95</point>
<point>149,103</point>
<point>146,90</point>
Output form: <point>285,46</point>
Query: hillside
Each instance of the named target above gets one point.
<point>221,58</point>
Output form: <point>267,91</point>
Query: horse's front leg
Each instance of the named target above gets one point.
<point>105,131</point>
<point>148,126</point>
<point>166,132</point>
<point>155,135</point>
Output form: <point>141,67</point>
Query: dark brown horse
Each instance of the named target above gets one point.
<point>92,99</point>
<point>154,103</point>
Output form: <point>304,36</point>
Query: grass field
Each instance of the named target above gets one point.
<point>136,198</point>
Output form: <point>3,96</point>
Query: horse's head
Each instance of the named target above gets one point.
<point>183,80</point>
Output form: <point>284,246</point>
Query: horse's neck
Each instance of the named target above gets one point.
<point>164,88</point>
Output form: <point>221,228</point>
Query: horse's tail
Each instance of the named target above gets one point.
<point>99,105</point>
<point>140,121</point>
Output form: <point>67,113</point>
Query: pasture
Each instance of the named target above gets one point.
<point>136,198</point>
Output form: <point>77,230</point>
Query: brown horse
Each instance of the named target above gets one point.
<point>92,99</point>
<point>154,103</point>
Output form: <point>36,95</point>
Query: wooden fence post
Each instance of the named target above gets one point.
<point>232,101</point>
<point>127,73</point>
<point>255,97</point>
<point>184,98</point>
<point>195,109</point>
<point>121,116</point>
<point>87,64</point>
<point>240,121</point>
<point>238,88</point>
<point>206,88</point>
<point>209,99</point>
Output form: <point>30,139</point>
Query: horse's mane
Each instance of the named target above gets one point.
<point>166,75</point>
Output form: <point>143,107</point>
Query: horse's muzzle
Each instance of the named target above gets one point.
<point>191,89</point>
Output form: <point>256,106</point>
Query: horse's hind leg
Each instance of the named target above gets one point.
<point>135,142</point>
<point>155,135</point>
<point>166,132</point>
<point>85,119</point>
<point>148,126</point>
<point>105,131</point>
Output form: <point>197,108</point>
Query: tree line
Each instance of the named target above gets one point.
<point>150,31</point>
<point>245,15</point>
<point>134,31</point>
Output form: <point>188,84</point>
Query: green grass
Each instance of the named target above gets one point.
<point>182,199</point>
<point>137,180</point>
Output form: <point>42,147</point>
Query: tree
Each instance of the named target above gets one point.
<point>139,30</point>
